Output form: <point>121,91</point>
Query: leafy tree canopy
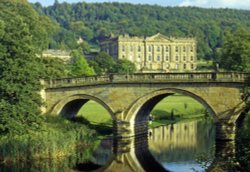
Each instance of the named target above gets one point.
<point>22,35</point>
<point>95,21</point>
<point>124,66</point>
<point>235,52</point>
<point>53,68</point>
<point>79,65</point>
<point>103,63</point>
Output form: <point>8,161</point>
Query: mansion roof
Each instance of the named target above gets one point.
<point>154,38</point>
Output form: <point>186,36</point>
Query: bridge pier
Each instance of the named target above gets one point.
<point>225,157</point>
<point>122,129</point>
<point>125,129</point>
<point>225,131</point>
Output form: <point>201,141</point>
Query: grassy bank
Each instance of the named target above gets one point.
<point>172,109</point>
<point>95,114</point>
<point>58,139</point>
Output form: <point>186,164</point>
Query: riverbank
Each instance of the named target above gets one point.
<point>177,119</point>
<point>58,139</point>
<point>172,109</point>
<point>177,108</point>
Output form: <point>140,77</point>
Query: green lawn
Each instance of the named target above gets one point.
<point>95,113</point>
<point>176,108</point>
<point>181,107</point>
<point>178,105</point>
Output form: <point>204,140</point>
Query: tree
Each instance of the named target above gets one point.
<point>53,68</point>
<point>104,62</point>
<point>20,72</point>
<point>125,66</point>
<point>79,65</point>
<point>96,21</point>
<point>235,52</point>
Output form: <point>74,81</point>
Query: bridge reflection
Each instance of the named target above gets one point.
<point>174,136</point>
<point>130,155</point>
<point>166,148</point>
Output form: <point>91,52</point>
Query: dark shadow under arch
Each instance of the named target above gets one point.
<point>140,109</point>
<point>71,105</point>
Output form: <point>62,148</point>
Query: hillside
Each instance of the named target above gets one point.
<point>93,21</point>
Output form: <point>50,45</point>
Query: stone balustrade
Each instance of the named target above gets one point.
<point>150,77</point>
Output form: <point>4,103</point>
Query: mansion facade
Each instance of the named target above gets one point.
<point>157,53</point>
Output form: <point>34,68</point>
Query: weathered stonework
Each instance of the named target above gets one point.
<point>156,53</point>
<point>130,98</point>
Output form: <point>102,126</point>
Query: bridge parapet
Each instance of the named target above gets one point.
<point>67,82</point>
<point>149,77</point>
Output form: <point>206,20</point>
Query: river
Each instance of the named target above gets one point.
<point>173,148</point>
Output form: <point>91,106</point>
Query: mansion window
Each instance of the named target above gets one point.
<point>192,58</point>
<point>166,49</point>
<point>149,48</point>
<point>139,48</point>
<point>123,56</point>
<point>149,58</point>
<point>176,58</point>
<point>191,48</point>
<point>158,49</point>
<point>158,58</point>
<point>184,49</point>
<point>176,49</point>
<point>192,66</point>
<point>131,48</point>
<point>176,66</point>
<point>123,48</point>
<point>184,66</point>
<point>166,57</point>
<point>139,58</point>
<point>184,58</point>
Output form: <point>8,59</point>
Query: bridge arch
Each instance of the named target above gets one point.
<point>69,106</point>
<point>139,111</point>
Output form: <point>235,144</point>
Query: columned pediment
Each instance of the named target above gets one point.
<point>158,37</point>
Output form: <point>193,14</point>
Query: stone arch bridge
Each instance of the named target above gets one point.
<point>130,98</point>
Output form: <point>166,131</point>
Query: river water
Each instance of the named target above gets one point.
<point>180,147</point>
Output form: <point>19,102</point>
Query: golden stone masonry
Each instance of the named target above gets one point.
<point>157,53</point>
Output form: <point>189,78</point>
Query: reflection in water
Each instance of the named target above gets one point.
<point>81,160</point>
<point>171,148</point>
<point>178,146</point>
<point>99,157</point>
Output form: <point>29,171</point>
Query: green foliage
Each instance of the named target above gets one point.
<point>243,144</point>
<point>79,65</point>
<point>59,138</point>
<point>94,21</point>
<point>103,63</point>
<point>124,66</point>
<point>235,52</point>
<point>22,36</point>
<point>53,68</point>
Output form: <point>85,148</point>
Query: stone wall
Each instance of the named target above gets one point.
<point>129,98</point>
<point>155,53</point>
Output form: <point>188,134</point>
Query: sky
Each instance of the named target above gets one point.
<point>238,4</point>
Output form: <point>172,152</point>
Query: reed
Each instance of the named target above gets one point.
<point>59,138</point>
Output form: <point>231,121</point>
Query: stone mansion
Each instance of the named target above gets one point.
<point>157,53</point>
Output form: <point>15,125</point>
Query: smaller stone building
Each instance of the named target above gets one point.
<point>157,53</point>
<point>54,53</point>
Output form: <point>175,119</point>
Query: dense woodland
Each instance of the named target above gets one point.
<point>93,21</point>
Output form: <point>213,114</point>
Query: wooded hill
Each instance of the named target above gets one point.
<point>93,21</point>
